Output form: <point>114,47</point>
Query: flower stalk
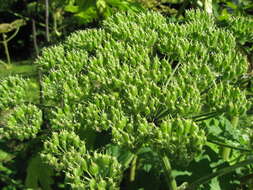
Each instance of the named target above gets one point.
<point>226,150</point>
<point>133,169</point>
<point>168,173</point>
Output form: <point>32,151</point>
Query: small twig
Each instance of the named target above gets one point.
<point>5,43</point>
<point>172,74</point>
<point>13,35</point>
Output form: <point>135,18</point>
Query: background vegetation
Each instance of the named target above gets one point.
<point>69,15</point>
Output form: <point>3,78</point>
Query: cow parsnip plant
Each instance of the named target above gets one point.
<point>142,84</point>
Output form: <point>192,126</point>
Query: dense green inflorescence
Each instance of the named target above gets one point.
<point>140,80</point>
<point>13,91</point>
<point>66,152</point>
<point>139,76</point>
<point>121,78</point>
<point>22,123</point>
<point>20,120</point>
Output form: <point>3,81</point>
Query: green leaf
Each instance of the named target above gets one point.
<point>124,156</point>
<point>232,5</point>
<point>176,173</point>
<point>71,8</point>
<point>220,129</point>
<point>4,156</point>
<point>87,15</point>
<point>39,174</point>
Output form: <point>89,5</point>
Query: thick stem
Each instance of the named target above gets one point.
<point>6,49</point>
<point>34,35</point>
<point>133,169</point>
<point>168,173</point>
<point>47,20</point>
<point>226,151</point>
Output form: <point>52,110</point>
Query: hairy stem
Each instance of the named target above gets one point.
<point>226,151</point>
<point>168,173</point>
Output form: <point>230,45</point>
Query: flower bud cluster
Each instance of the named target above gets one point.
<point>65,151</point>
<point>13,91</point>
<point>23,122</point>
<point>241,28</point>
<point>229,98</point>
<point>136,79</point>
<point>181,139</point>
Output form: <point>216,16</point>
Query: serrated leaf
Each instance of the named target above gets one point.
<point>220,129</point>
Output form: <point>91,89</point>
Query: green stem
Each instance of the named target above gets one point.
<point>168,173</point>
<point>133,169</point>
<point>55,25</point>
<point>226,151</point>
<point>6,49</point>
<point>207,117</point>
<point>219,173</point>
<point>34,36</point>
<point>13,35</point>
<point>172,74</point>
